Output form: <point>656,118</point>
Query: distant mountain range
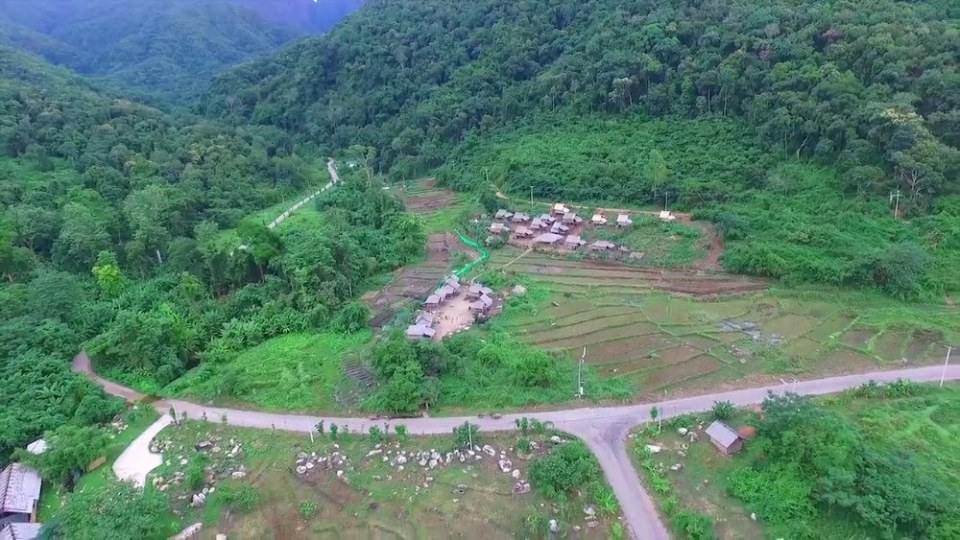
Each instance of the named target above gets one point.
<point>161,50</point>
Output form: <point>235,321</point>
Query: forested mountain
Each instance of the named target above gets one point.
<point>873,89</point>
<point>121,226</point>
<point>162,49</point>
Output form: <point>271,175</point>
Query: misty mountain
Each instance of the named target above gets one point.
<point>161,50</point>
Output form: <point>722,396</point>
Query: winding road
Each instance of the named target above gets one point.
<point>604,429</point>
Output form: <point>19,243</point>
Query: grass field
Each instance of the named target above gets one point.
<point>662,244</point>
<point>666,343</point>
<point>925,425</point>
<point>374,498</point>
<point>295,372</point>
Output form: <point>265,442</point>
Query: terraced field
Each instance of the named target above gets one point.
<point>720,330</point>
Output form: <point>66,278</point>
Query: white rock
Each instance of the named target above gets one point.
<point>515,473</point>
<point>301,469</point>
<point>555,439</point>
<point>554,526</point>
<point>676,466</point>
<point>310,465</point>
<point>374,452</point>
<point>753,516</point>
<point>489,450</point>
<point>340,473</point>
<point>682,431</point>
<point>237,475</point>
<point>401,459</point>
<point>432,464</point>
<point>654,449</point>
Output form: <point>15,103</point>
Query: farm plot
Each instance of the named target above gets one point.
<point>633,329</point>
<point>414,282</point>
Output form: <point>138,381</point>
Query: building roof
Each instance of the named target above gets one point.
<point>419,330</point>
<point>486,300</point>
<point>623,219</point>
<point>432,300</point>
<point>498,227</point>
<point>19,489</point>
<point>560,208</point>
<point>573,239</point>
<point>523,231</point>
<point>546,218</point>
<point>537,223</point>
<point>722,434</point>
<point>425,318</point>
<point>598,219</point>
<point>559,228</point>
<point>445,291</point>
<point>453,282</point>
<point>37,447</point>
<point>20,531</point>
<point>520,217</point>
<point>502,214</point>
<point>602,244</point>
<point>547,238</point>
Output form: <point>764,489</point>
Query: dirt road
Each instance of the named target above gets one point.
<point>604,429</point>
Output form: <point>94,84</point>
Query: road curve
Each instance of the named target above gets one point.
<point>603,429</point>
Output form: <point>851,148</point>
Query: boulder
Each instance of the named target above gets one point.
<point>554,526</point>
<point>238,475</point>
<point>203,445</point>
<point>489,450</point>
<point>682,431</point>
<point>515,474</point>
<point>654,449</point>
<point>301,470</point>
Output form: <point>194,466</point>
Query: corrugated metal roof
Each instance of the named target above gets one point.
<point>21,531</point>
<point>19,489</point>
<point>722,433</point>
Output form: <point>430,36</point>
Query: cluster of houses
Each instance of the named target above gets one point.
<point>558,228</point>
<point>480,300</point>
<point>19,498</point>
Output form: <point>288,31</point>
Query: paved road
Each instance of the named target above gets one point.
<point>604,429</point>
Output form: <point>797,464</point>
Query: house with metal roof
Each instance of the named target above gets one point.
<point>522,232</point>
<point>432,300</point>
<point>602,245</point>
<point>559,228</point>
<point>520,217</point>
<point>598,219</point>
<point>20,531</point>
<point>503,214</point>
<point>724,437</point>
<point>549,239</point>
<point>624,220</point>
<point>560,209</point>
<point>499,228</point>
<point>476,290</point>
<point>573,241</point>
<point>19,494</point>
<point>419,331</point>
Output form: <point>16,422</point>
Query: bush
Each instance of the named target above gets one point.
<point>196,472</point>
<point>308,509</point>
<point>351,318</point>
<point>565,468</point>
<point>723,410</point>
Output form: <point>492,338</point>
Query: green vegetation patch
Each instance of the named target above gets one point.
<point>291,372</point>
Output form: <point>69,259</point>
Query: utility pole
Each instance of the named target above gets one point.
<point>946,363</point>
<point>895,199</point>
<point>580,374</point>
<point>531,197</point>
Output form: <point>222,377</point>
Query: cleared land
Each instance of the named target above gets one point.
<point>708,338</point>
<point>357,488</point>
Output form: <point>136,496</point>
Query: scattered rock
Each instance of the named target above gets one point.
<point>238,475</point>
<point>203,445</point>
<point>221,536</point>
<point>301,470</point>
<point>554,526</point>
<point>676,466</point>
<point>432,464</point>
<point>555,439</point>
<point>489,450</point>
<point>198,500</point>
<point>401,459</point>
<point>505,465</point>
<point>374,452</point>
<point>521,488</point>
<point>753,516</point>
<point>515,473</point>
<point>654,449</point>
<point>682,431</point>
<point>590,512</point>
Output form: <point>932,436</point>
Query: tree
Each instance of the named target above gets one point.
<point>109,277</point>
<point>351,318</point>
<point>112,511</point>
<point>567,467</point>
<point>70,449</point>
<point>403,392</point>
<point>723,410</point>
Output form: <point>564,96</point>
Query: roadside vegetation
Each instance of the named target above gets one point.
<point>878,461</point>
<point>357,483</point>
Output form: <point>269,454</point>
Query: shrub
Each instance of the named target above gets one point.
<point>240,497</point>
<point>308,509</point>
<point>723,410</point>
<point>566,467</point>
